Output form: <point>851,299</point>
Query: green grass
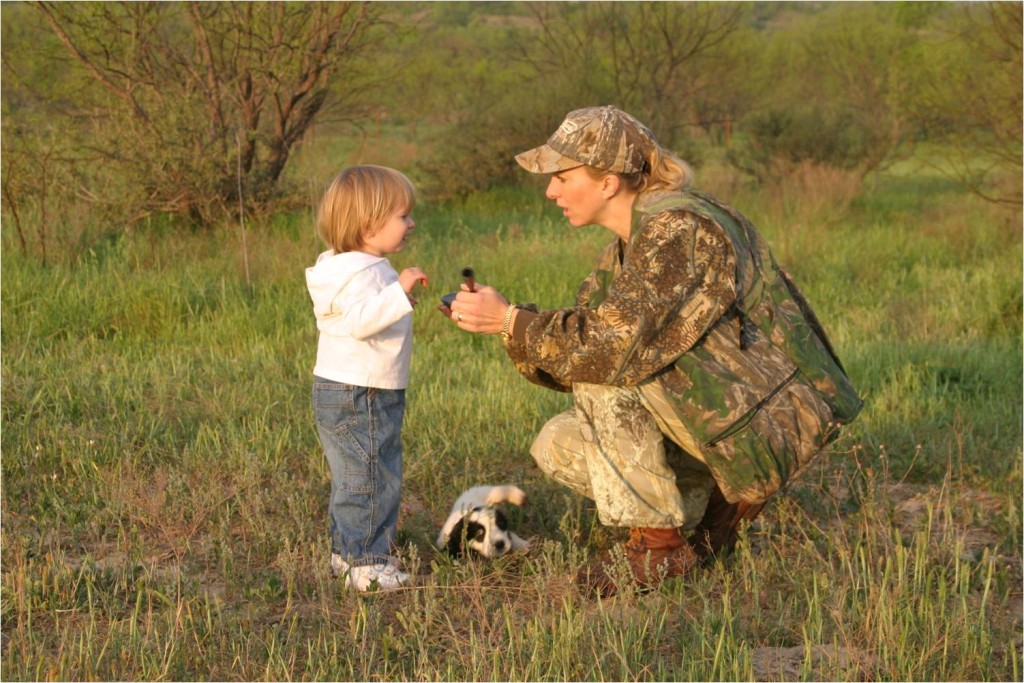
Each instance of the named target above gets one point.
<point>164,493</point>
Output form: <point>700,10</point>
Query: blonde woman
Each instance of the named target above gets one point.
<point>702,381</point>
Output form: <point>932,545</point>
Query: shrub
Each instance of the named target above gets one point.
<point>840,139</point>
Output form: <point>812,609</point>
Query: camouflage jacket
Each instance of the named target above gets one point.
<point>696,302</point>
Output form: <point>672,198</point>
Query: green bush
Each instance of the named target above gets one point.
<point>841,139</point>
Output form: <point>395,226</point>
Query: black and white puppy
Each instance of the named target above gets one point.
<point>476,522</point>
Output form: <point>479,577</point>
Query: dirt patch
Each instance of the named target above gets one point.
<point>962,516</point>
<point>819,662</point>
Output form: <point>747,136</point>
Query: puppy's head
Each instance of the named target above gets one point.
<point>482,531</point>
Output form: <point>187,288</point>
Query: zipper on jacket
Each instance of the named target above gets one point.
<point>745,419</point>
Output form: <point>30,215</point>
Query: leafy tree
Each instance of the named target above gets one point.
<point>506,79</point>
<point>194,102</point>
<point>656,60</point>
<point>969,97</point>
<point>849,83</point>
<point>478,107</point>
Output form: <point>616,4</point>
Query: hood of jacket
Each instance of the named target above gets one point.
<point>331,273</point>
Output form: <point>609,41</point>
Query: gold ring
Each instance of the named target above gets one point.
<point>460,317</point>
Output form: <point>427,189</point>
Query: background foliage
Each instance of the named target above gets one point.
<point>131,109</point>
<point>195,102</point>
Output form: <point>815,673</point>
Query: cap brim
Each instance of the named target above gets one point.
<point>543,159</point>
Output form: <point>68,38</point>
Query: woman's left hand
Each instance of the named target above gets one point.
<point>481,311</point>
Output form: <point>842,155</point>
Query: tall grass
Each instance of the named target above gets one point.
<point>164,492</point>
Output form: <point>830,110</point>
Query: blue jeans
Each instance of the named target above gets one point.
<point>360,430</point>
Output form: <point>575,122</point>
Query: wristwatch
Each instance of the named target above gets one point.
<point>506,333</point>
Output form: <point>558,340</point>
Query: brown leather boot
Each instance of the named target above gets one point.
<point>717,530</point>
<point>651,555</point>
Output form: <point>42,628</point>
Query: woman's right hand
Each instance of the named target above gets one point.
<point>481,311</point>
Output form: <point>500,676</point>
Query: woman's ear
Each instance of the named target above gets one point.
<point>610,185</point>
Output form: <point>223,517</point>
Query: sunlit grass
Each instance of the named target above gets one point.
<point>164,491</point>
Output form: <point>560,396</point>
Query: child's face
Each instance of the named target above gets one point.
<point>391,238</point>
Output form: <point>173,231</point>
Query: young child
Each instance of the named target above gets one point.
<point>362,309</point>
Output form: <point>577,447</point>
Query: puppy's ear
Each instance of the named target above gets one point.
<point>500,520</point>
<point>454,545</point>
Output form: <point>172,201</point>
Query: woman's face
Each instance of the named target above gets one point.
<point>578,195</point>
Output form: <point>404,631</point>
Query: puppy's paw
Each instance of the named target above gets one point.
<point>506,494</point>
<point>519,544</point>
<point>517,496</point>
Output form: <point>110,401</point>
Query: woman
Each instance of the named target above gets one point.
<point>702,381</point>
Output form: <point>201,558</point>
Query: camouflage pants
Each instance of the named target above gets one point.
<point>619,447</point>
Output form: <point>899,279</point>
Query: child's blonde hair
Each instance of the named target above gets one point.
<point>358,202</point>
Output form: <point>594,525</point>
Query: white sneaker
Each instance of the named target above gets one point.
<point>386,576</point>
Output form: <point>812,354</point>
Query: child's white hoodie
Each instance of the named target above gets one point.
<point>362,313</point>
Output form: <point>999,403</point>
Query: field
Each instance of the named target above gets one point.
<point>164,493</point>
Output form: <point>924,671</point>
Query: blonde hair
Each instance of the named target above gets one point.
<point>358,202</point>
<point>663,171</point>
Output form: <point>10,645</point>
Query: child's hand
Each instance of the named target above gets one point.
<point>410,276</point>
<point>408,279</point>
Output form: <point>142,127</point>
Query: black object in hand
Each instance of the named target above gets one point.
<point>469,279</point>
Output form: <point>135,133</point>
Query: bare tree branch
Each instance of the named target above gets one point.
<point>188,78</point>
<point>124,94</point>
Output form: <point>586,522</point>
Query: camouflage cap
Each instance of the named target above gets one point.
<point>602,137</point>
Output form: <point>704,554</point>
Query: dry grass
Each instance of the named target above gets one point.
<point>163,491</point>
